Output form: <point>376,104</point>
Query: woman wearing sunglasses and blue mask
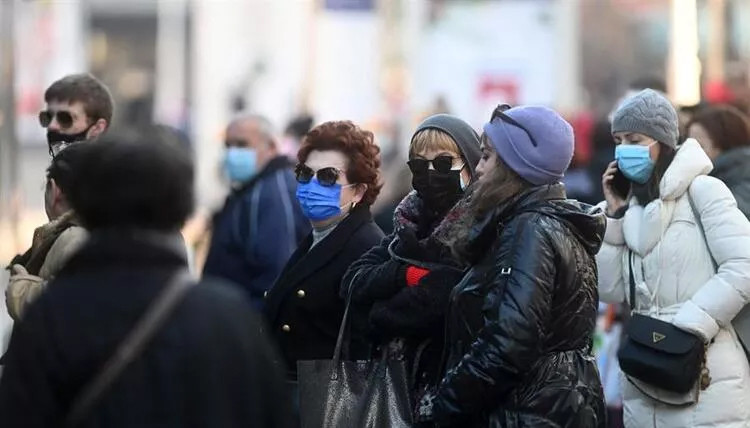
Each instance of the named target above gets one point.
<point>408,277</point>
<point>338,179</point>
<point>677,249</point>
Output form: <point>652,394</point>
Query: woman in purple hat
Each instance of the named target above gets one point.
<point>521,322</point>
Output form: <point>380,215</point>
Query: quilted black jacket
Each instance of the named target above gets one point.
<point>521,322</point>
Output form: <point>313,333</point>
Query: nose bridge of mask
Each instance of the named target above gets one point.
<point>632,151</point>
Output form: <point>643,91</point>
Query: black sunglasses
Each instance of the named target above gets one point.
<point>64,118</point>
<point>326,176</point>
<point>499,113</point>
<point>442,163</point>
<point>236,143</point>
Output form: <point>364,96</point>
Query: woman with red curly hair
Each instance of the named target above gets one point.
<point>338,176</point>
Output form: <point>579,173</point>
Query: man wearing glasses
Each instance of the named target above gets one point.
<point>261,222</point>
<point>79,107</point>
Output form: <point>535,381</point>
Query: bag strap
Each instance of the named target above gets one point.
<point>131,347</point>
<point>343,328</point>
<point>699,222</point>
<point>632,280</point>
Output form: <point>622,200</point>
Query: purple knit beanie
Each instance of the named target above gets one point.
<point>539,158</point>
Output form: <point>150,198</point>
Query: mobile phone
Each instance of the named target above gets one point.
<point>621,185</point>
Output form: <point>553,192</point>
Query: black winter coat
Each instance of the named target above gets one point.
<point>304,308</point>
<point>414,314</point>
<point>521,322</point>
<point>208,365</point>
<point>733,168</point>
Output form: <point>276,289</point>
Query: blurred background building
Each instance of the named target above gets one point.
<point>385,64</point>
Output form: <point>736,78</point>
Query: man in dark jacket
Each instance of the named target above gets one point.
<point>208,364</point>
<point>261,222</point>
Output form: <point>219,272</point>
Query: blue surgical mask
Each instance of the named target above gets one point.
<point>240,164</point>
<point>635,162</point>
<point>319,202</point>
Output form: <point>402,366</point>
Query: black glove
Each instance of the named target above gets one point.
<point>409,246</point>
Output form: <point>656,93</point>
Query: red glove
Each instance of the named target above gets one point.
<point>414,274</point>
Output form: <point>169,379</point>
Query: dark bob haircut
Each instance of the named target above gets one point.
<point>727,126</point>
<point>356,144</point>
<point>132,180</point>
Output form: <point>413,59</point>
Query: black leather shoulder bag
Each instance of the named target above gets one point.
<point>658,353</point>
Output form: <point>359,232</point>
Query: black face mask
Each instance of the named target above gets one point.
<point>439,190</point>
<point>58,141</point>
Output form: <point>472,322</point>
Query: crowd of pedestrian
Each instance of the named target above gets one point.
<point>481,305</point>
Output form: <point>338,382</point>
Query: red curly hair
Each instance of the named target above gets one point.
<point>357,144</point>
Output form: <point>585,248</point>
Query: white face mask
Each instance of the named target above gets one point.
<point>461,176</point>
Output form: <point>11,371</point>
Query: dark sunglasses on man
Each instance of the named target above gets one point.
<point>499,113</point>
<point>64,118</point>
<point>442,163</point>
<point>326,176</point>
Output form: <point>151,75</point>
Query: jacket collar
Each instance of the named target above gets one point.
<point>306,261</point>
<point>644,226</point>
<point>731,165</point>
<point>484,232</point>
<point>689,162</point>
<point>275,164</point>
<point>129,249</point>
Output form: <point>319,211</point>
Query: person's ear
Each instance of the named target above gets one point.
<point>57,194</point>
<point>359,193</point>
<point>97,129</point>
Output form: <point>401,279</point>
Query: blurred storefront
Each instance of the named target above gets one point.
<point>192,64</point>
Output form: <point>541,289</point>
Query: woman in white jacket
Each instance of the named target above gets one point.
<point>649,213</point>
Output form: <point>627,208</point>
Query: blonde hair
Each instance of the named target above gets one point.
<point>432,139</point>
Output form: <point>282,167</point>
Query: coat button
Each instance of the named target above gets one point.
<point>301,293</point>
<point>286,328</point>
<point>265,294</point>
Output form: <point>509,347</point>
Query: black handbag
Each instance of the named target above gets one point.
<point>342,394</point>
<point>658,353</point>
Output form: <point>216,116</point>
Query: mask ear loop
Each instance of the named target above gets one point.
<point>353,203</point>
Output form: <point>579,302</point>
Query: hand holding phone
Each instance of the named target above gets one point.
<point>616,188</point>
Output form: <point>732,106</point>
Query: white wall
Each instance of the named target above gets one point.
<point>513,40</point>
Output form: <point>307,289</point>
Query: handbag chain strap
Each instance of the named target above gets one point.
<point>343,328</point>
<point>130,348</point>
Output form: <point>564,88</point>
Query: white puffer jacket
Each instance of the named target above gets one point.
<point>674,273</point>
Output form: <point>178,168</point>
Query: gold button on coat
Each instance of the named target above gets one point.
<point>286,328</point>
<point>300,293</point>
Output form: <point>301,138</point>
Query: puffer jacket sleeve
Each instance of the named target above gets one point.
<point>609,261</point>
<point>727,233</point>
<point>375,276</point>
<point>516,315</point>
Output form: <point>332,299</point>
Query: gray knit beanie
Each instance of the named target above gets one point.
<point>648,113</point>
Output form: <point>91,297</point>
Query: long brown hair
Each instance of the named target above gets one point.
<point>649,191</point>
<point>498,186</point>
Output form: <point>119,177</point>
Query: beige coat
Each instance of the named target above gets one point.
<point>23,288</point>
